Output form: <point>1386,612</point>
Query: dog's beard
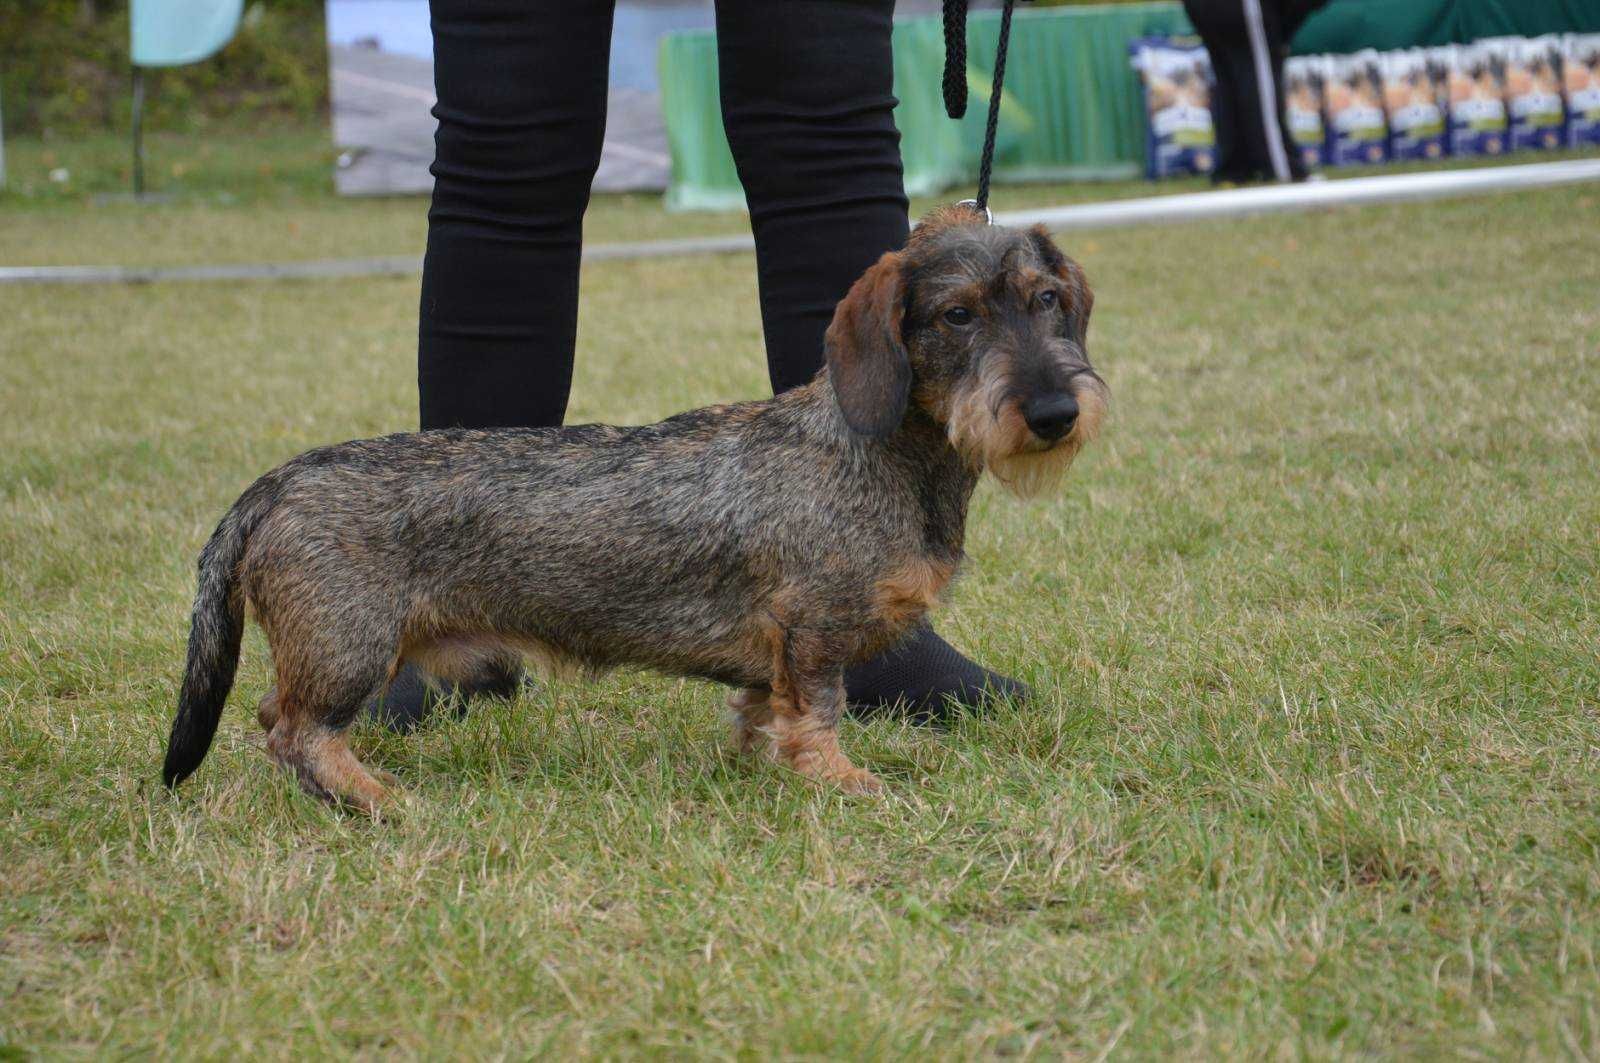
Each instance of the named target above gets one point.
<point>988,428</point>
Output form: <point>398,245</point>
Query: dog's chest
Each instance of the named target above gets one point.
<point>910,588</point>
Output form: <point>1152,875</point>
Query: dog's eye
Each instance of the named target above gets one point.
<point>958,315</point>
<point>1047,299</point>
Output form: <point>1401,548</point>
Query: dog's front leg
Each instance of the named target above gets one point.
<point>806,702</point>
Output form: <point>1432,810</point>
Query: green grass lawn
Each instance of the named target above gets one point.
<point>1312,766</point>
<point>250,197</point>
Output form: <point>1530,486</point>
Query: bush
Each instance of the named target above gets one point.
<point>64,68</point>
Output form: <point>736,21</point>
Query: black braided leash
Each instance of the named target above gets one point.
<point>955,83</point>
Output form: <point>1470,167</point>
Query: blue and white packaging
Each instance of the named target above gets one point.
<point>1536,115</point>
<point>1478,124</point>
<point>1358,132</point>
<point>1440,61</point>
<point>1416,121</point>
<point>1580,75</point>
<point>1305,78</point>
<point>1176,77</point>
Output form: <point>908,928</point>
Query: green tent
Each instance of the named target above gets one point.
<point>1349,25</point>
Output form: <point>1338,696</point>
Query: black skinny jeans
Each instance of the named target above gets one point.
<point>807,102</point>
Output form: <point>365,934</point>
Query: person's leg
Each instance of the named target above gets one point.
<point>521,86</point>
<point>522,109</point>
<point>808,103</point>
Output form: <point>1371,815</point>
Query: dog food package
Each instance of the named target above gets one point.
<point>1416,121</point>
<point>1176,76</point>
<point>1535,112</point>
<point>1358,134</point>
<point>1440,62</point>
<point>1477,101</point>
<point>1580,74</point>
<point>1304,80</point>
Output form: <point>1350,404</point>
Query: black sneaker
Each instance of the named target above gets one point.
<point>927,678</point>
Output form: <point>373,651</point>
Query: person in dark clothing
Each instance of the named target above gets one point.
<point>1248,41</point>
<point>806,88</point>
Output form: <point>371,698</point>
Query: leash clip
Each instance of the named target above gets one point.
<point>988,215</point>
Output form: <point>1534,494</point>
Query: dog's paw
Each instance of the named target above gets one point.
<point>858,782</point>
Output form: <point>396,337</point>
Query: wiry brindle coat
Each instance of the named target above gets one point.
<point>764,545</point>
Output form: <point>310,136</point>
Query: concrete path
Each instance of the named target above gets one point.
<point>383,125</point>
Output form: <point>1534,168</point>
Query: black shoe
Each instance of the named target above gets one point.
<point>411,699</point>
<point>928,678</point>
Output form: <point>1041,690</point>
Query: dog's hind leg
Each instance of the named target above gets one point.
<point>325,767</point>
<point>317,696</point>
<point>750,715</point>
<point>807,700</point>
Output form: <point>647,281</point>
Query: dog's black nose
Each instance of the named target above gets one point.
<point>1050,416</point>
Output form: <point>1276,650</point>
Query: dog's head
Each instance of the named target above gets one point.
<point>984,329</point>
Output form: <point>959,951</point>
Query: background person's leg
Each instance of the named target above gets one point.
<point>808,103</point>
<point>1231,163</point>
<point>1244,39</point>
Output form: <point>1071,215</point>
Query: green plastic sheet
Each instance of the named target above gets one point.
<point>1072,108</point>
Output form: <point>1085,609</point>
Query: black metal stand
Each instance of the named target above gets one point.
<point>138,132</point>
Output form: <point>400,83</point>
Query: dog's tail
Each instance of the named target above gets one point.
<point>215,630</point>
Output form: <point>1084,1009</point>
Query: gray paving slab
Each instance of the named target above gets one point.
<point>383,125</point>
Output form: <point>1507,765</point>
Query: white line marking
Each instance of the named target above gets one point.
<point>1273,199</point>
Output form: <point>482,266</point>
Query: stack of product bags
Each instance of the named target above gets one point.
<point>1175,74</point>
<point>1486,98</point>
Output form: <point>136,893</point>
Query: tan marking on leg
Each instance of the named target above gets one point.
<point>910,590</point>
<point>811,748</point>
<point>804,739</point>
<point>323,763</point>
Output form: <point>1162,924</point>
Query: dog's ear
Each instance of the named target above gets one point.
<point>1082,295</point>
<point>866,350</point>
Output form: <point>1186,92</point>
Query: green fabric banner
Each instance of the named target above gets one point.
<point>1072,108</point>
